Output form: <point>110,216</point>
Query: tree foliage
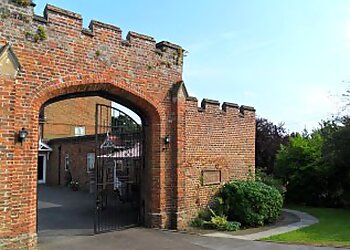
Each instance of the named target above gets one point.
<point>336,152</point>
<point>299,164</point>
<point>269,138</point>
<point>316,168</point>
<point>124,124</point>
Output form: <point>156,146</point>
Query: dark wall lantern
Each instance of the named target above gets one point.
<point>167,139</point>
<point>22,135</point>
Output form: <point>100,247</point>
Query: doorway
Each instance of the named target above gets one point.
<point>42,168</point>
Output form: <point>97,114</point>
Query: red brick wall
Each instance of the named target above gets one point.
<point>77,149</point>
<point>208,138</point>
<point>136,72</point>
<point>62,117</point>
<point>216,139</point>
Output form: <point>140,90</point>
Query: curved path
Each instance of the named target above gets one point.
<point>304,221</point>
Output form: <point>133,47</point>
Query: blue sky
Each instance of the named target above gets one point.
<point>286,58</point>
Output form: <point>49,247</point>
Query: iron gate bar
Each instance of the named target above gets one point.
<point>118,162</point>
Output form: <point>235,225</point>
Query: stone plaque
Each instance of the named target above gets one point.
<point>211,177</point>
<point>9,65</point>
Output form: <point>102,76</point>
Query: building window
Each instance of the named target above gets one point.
<point>90,162</point>
<point>79,131</point>
<point>66,162</point>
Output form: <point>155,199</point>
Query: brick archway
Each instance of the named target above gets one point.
<point>25,156</point>
<point>105,83</point>
<point>100,85</point>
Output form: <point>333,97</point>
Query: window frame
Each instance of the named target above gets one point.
<point>66,162</point>
<point>90,161</point>
<point>79,129</point>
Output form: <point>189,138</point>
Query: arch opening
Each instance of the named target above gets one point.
<point>143,115</point>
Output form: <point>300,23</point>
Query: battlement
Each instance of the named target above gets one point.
<point>213,106</point>
<point>70,23</point>
<point>50,9</point>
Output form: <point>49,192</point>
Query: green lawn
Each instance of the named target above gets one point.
<point>333,229</point>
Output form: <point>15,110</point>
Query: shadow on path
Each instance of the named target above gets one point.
<point>64,212</point>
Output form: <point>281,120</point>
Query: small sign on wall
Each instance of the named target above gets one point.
<point>211,177</point>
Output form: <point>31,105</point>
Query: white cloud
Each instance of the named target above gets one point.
<point>316,99</point>
<point>301,108</point>
<point>313,104</point>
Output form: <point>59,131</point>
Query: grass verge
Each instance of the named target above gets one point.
<point>332,230</point>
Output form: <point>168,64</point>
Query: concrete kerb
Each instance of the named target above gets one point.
<point>305,220</point>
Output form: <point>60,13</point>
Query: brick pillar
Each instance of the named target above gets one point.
<point>15,218</point>
<point>164,176</point>
<point>6,157</point>
<point>179,95</point>
<point>17,172</point>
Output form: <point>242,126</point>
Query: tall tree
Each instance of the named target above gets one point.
<point>336,153</point>
<point>269,138</point>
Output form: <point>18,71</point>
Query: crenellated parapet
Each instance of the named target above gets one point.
<point>60,22</point>
<point>214,106</point>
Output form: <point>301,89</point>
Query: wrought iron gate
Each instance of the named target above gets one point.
<point>119,160</point>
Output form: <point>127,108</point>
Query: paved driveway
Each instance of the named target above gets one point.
<point>66,222</point>
<point>152,239</point>
<point>64,212</point>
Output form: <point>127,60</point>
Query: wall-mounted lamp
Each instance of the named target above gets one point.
<point>167,139</point>
<point>22,135</point>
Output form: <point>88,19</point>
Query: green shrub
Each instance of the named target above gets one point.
<point>197,222</point>
<point>204,214</point>
<point>252,203</point>
<point>233,226</point>
<point>218,206</point>
<point>207,218</point>
<point>40,34</point>
<point>270,180</point>
<point>220,223</point>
